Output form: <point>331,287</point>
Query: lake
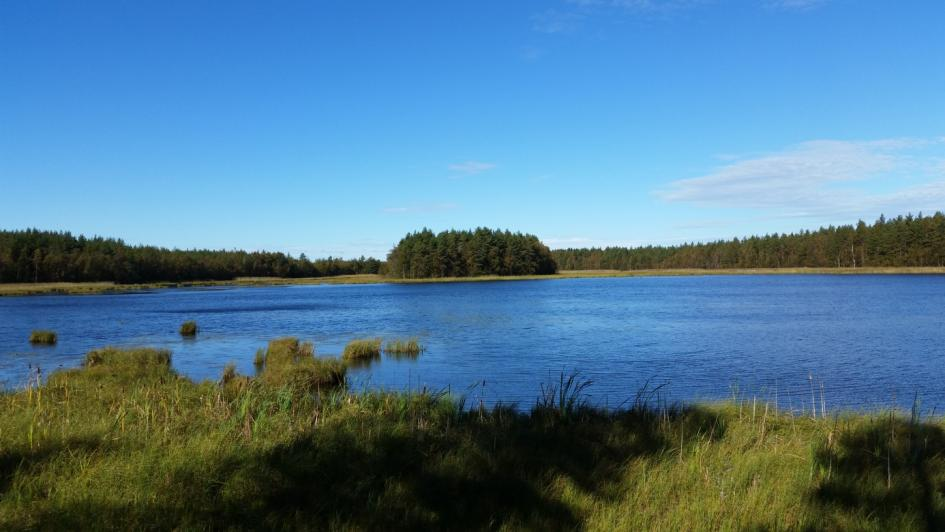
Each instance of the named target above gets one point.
<point>853,342</point>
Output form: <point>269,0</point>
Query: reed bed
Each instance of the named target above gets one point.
<point>43,337</point>
<point>126,443</point>
<point>410,347</point>
<point>362,349</point>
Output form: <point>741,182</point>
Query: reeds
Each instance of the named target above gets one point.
<point>288,362</point>
<point>410,347</point>
<point>43,337</point>
<point>188,328</point>
<point>362,349</point>
<point>138,357</point>
<point>283,448</point>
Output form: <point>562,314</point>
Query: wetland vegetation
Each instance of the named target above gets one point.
<point>188,328</point>
<point>125,442</point>
<point>43,337</point>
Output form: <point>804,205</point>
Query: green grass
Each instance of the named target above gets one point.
<point>126,443</point>
<point>43,337</point>
<point>362,349</point>
<point>292,364</point>
<point>188,328</point>
<point>410,347</point>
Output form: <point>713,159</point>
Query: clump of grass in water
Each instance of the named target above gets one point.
<point>403,348</point>
<point>362,349</point>
<point>288,362</point>
<point>188,328</point>
<point>113,357</point>
<point>43,337</point>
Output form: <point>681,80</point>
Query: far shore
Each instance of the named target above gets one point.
<point>28,289</point>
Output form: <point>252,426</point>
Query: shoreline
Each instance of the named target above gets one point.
<point>92,288</point>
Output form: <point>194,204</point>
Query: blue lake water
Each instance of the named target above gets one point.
<point>859,342</point>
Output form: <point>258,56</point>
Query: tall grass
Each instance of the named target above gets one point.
<point>188,328</point>
<point>362,349</point>
<point>125,443</point>
<point>288,362</point>
<point>410,347</point>
<point>43,337</point>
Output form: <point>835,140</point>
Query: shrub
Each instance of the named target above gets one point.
<point>43,337</point>
<point>188,328</point>
<point>362,349</point>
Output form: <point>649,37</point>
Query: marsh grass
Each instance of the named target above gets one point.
<point>409,348</point>
<point>114,358</point>
<point>188,328</point>
<point>125,443</point>
<point>362,349</point>
<point>43,337</point>
<point>290,363</point>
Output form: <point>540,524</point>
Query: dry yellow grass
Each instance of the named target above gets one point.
<point>24,289</point>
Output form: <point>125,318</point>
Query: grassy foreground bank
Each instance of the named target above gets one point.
<point>126,443</point>
<point>26,289</point>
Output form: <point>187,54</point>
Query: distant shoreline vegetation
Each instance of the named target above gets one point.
<point>424,254</point>
<point>34,256</point>
<point>905,241</point>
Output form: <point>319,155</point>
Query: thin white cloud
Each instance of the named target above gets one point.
<point>470,168</point>
<point>826,178</point>
<point>555,21</point>
<point>795,5</point>
<point>420,208</point>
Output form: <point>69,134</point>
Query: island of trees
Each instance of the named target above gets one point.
<point>902,241</point>
<point>469,253</point>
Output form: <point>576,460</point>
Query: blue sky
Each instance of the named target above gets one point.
<point>337,127</point>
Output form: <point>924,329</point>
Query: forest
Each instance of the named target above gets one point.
<point>901,241</point>
<point>46,256</point>
<point>469,253</point>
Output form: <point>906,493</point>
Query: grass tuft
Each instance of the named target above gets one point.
<point>43,337</point>
<point>188,328</point>
<point>362,349</point>
<point>118,358</point>
<point>290,363</point>
<point>410,347</point>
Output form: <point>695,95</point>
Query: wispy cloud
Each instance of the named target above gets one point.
<point>825,178</point>
<point>420,208</point>
<point>573,15</point>
<point>470,168</point>
<point>795,5</point>
<point>555,21</point>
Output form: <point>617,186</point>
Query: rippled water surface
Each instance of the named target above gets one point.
<point>850,341</point>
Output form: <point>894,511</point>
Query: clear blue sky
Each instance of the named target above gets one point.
<point>337,127</point>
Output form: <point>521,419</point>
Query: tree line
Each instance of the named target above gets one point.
<point>469,253</point>
<point>46,256</point>
<point>901,241</point>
